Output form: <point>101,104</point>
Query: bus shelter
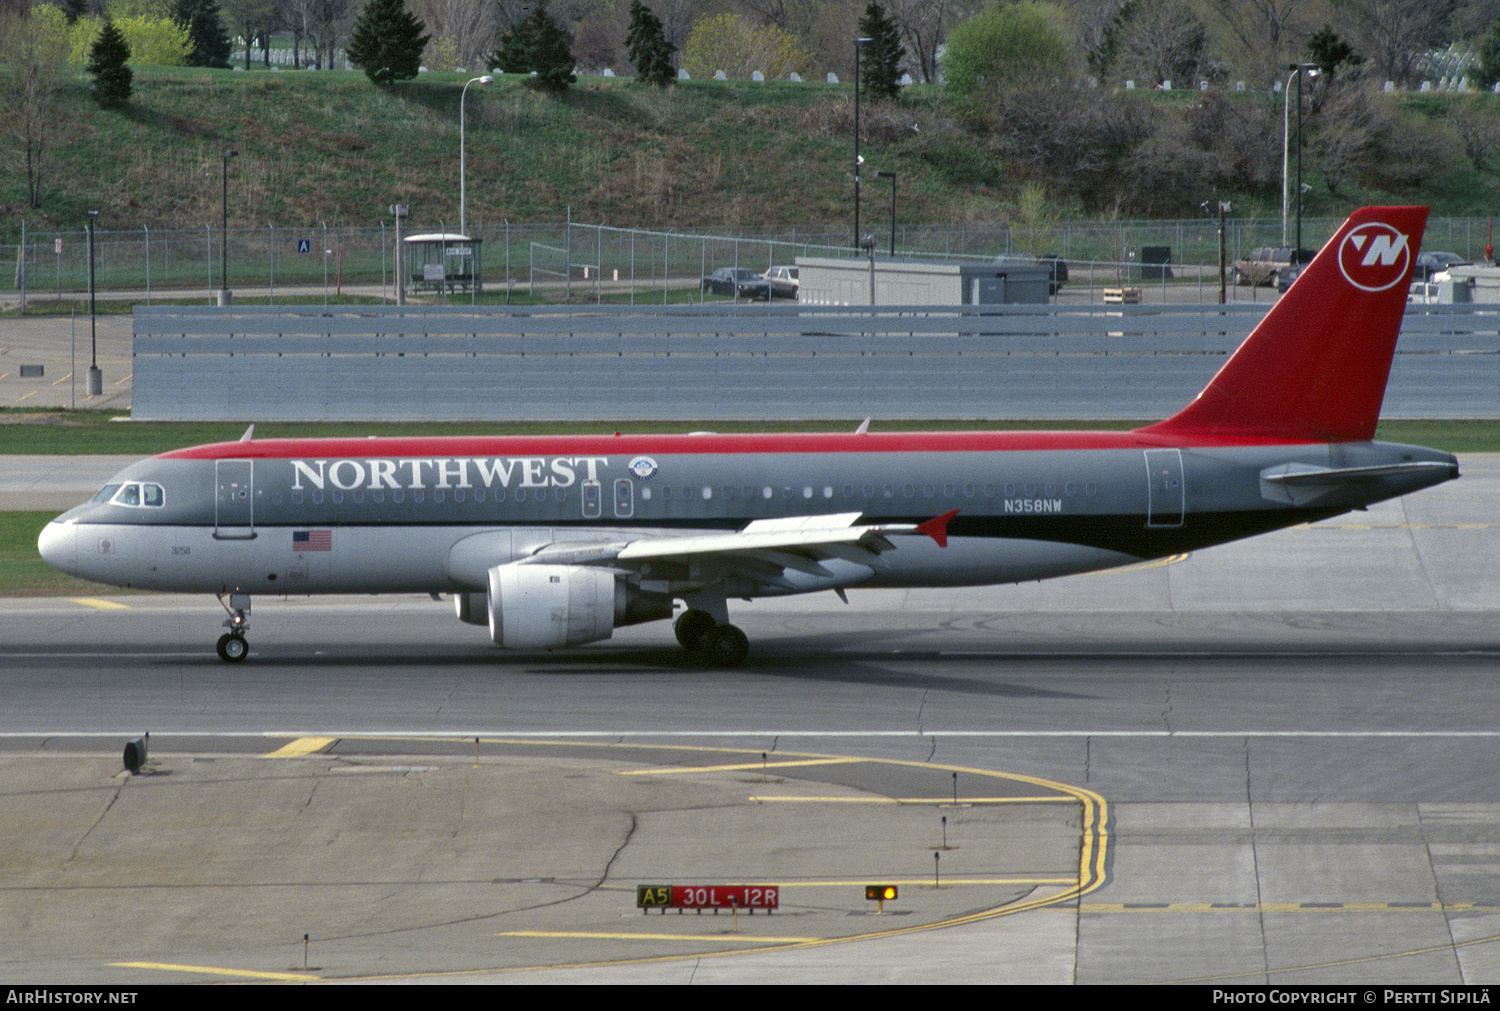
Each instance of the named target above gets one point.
<point>444,262</point>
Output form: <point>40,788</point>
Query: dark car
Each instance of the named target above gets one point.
<point>727,280</point>
<point>1435,262</point>
<point>1059,271</point>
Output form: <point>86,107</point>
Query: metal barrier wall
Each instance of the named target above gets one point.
<point>744,362</point>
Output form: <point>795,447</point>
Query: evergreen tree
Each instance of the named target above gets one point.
<point>107,64</point>
<point>1489,59</point>
<point>648,46</point>
<point>1330,52</point>
<point>514,54</point>
<point>537,45</point>
<point>882,55</point>
<point>388,42</point>
<point>205,27</point>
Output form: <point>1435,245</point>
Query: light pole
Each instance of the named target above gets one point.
<point>96,378</point>
<point>224,296</point>
<point>892,177</point>
<point>463,194</point>
<point>858,161</point>
<point>1297,70</point>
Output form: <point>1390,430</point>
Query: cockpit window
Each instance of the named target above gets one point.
<point>135,494</point>
<point>106,493</point>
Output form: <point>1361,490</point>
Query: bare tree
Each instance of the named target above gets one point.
<point>924,28</point>
<point>1157,41</point>
<point>33,64</point>
<point>1258,36</point>
<point>466,29</point>
<point>1395,34</point>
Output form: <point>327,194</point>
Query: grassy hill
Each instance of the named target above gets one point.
<point>328,146</point>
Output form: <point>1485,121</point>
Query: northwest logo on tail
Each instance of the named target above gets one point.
<point>1374,256</point>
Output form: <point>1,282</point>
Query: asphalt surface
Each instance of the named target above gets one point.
<point>1273,762</point>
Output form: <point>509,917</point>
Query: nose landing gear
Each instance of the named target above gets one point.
<point>232,646</point>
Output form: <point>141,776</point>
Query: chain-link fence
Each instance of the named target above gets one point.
<point>577,262</point>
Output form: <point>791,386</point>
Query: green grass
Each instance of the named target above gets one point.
<point>329,147</point>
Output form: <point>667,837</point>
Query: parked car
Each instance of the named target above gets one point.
<point>1435,262</point>
<point>778,282</point>
<point>1266,264</point>
<point>1059,271</point>
<point>726,280</point>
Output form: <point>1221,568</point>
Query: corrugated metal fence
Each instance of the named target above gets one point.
<point>744,362</point>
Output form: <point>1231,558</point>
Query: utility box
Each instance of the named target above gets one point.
<point>838,281</point>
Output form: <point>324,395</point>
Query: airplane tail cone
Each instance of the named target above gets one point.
<point>1315,369</point>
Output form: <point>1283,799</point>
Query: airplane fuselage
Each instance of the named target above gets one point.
<point>394,515</point>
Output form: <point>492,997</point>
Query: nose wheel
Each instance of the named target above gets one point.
<point>232,647</point>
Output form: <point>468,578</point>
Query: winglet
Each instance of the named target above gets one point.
<point>937,527</point>
<point>249,434</point>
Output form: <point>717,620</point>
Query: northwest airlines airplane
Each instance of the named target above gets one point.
<point>556,541</point>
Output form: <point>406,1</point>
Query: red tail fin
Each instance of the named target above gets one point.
<point>1316,366</point>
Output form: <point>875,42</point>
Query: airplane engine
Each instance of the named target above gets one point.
<point>472,608</point>
<point>547,606</point>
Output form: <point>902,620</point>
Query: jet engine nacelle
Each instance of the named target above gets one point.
<point>547,606</point>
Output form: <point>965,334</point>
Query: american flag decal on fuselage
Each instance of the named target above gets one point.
<point>312,540</point>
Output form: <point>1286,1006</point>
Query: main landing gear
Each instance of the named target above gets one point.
<point>232,646</point>
<point>718,643</point>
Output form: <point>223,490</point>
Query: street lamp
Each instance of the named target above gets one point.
<point>224,295</point>
<point>463,196</point>
<point>858,161</point>
<point>96,378</point>
<point>892,177</point>
<point>1297,70</point>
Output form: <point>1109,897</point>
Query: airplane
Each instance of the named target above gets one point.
<point>556,541</point>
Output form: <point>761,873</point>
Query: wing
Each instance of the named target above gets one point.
<point>777,556</point>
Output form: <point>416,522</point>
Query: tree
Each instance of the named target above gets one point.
<point>1396,35</point>
<point>155,40</point>
<point>882,55</point>
<point>1004,49</point>
<point>388,42</point>
<point>650,52</point>
<point>732,44</point>
<point>1153,41</point>
<point>205,28</point>
<point>1489,58</point>
<point>537,45</point>
<point>107,65</point>
<point>465,29</point>
<point>1330,52</point>
<point>33,54</point>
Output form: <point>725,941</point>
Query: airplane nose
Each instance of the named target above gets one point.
<point>58,546</point>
